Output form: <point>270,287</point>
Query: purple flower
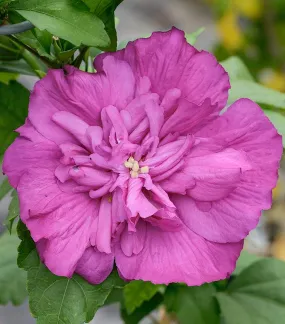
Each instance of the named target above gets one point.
<point>135,165</point>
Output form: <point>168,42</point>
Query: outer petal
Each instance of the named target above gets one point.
<point>243,127</point>
<point>216,175</point>
<point>95,266</point>
<point>31,151</point>
<point>83,94</point>
<point>181,256</point>
<point>63,220</point>
<point>170,62</point>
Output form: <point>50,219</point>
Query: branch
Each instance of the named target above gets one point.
<point>16,28</point>
<point>77,62</point>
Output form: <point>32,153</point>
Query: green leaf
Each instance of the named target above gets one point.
<point>14,99</point>
<point>62,300</point>
<point>67,19</point>
<point>257,93</point>
<point>56,299</point>
<point>141,312</point>
<point>14,211</point>
<point>64,50</point>
<point>116,296</point>
<point>245,260</point>
<point>257,295</point>
<point>193,304</point>
<point>65,56</point>
<point>243,86</point>
<point>19,67</point>
<point>136,292</point>
<point>39,40</point>
<point>5,2</point>
<point>192,38</point>
<point>5,188</point>
<point>6,77</point>
<point>236,69</point>
<point>278,120</point>
<point>8,50</point>
<point>27,253</point>
<point>221,285</point>
<point>12,279</point>
<point>105,10</point>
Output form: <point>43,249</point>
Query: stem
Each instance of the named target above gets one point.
<point>33,63</point>
<point>8,48</point>
<point>77,62</point>
<point>31,50</point>
<point>16,28</point>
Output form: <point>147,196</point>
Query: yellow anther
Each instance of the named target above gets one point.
<point>144,169</point>
<point>131,160</point>
<point>136,166</point>
<point>134,174</point>
<point>128,165</point>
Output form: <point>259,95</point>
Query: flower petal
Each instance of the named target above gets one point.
<point>244,126</point>
<point>166,220</point>
<point>181,256</point>
<point>104,231</point>
<point>170,62</point>
<point>188,118</point>
<point>133,242</point>
<point>155,114</point>
<point>137,201</point>
<point>95,266</point>
<point>216,175</point>
<point>136,109</point>
<point>25,154</point>
<point>73,125</point>
<point>63,220</point>
<point>246,129</point>
<point>119,210</point>
<point>80,93</point>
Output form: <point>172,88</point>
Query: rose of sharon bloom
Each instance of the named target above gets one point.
<point>135,165</point>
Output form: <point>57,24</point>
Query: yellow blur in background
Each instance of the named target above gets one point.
<point>230,32</point>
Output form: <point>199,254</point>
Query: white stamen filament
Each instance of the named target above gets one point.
<point>135,169</point>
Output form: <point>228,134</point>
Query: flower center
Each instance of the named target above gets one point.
<point>135,168</point>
